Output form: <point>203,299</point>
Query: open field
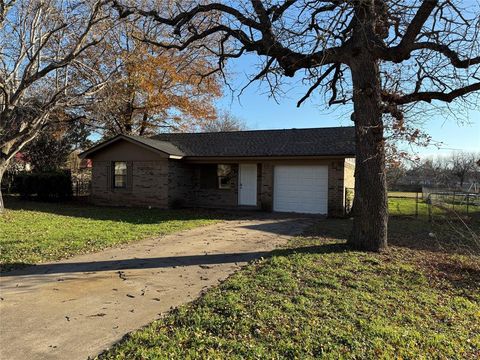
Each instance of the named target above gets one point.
<point>33,232</point>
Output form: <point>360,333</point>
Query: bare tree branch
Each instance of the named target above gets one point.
<point>429,96</point>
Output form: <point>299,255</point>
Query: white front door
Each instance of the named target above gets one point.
<point>247,184</point>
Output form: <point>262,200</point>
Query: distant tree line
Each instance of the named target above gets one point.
<point>459,170</point>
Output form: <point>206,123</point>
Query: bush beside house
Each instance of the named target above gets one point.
<point>48,186</point>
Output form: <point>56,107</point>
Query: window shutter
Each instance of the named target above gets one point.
<point>129,175</point>
<point>109,176</point>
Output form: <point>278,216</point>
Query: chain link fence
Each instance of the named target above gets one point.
<point>427,205</point>
<point>81,187</point>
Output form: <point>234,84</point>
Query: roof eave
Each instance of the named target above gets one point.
<point>268,157</point>
<point>94,149</point>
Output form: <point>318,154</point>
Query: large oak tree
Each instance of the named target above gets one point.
<point>383,55</point>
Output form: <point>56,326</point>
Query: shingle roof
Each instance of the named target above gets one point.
<point>335,141</point>
<point>165,146</point>
<point>289,142</point>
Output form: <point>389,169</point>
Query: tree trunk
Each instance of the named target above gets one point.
<point>3,168</point>
<point>370,201</point>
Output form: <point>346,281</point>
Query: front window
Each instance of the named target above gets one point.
<point>120,174</point>
<point>214,176</point>
<point>224,174</point>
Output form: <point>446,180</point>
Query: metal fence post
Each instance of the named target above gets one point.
<point>468,201</point>
<point>430,211</point>
<point>416,205</point>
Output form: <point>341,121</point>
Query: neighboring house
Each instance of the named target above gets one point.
<point>296,170</point>
<point>20,163</point>
<point>77,165</point>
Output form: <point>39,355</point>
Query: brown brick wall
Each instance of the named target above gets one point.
<point>180,183</point>
<point>336,197</point>
<point>147,184</point>
<point>216,198</point>
<point>266,195</point>
<point>169,183</point>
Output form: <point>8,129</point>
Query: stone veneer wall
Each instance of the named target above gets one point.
<point>147,184</point>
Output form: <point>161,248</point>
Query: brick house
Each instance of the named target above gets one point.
<point>296,170</point>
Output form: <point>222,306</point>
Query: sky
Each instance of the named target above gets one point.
<point>259,111</point>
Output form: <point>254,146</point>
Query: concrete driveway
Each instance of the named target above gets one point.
<point>78,307</point>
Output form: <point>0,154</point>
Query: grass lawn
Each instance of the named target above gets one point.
<point>404,194</point>
<point>32,232</point>
<point>405,206</point>
<point>320,299</point>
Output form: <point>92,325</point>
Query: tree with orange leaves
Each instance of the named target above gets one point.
<point>155,90</point>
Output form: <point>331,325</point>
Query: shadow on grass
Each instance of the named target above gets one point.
<point>167,262</point>
<point>463,277</point>
<point>450,237</point>
<point>119,214</point>
<point>447,236</point>
<point>439,252</point>
<point>138,215</point>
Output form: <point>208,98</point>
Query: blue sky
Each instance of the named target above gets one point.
<point>259,111</point>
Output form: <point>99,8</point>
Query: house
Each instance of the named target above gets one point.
<point>295,170</point>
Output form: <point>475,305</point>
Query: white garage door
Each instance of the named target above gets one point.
<point>299,188</point>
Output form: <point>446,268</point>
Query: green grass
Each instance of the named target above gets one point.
<point>405,206</point>
<point>316,299</point>
<point>404,194</point>
<point>320,299</point>
<point>32,232</point>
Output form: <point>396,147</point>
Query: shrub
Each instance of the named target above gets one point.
<point>51,186</point>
